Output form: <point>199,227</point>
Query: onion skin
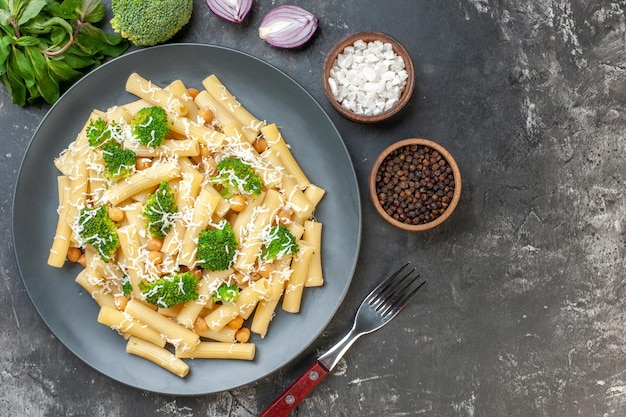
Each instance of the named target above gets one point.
<point>234,11</point>
<point>288,26</point>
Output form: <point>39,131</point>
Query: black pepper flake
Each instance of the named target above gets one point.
<point>415,184</point>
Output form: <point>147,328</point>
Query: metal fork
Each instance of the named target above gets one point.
<point>377,309</point>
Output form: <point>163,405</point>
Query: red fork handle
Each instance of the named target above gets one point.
<point>300,388</point>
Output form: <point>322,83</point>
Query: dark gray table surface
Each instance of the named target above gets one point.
<point>524,311</point>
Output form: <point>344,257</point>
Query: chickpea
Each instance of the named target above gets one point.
<point>206,114</point>
<point>265,270</point>
<point>155,257</point>
<point>120,302</point>
<point>82,260</point>
<point>260,145</point>
<point>205,151</point>
<point>193,92</point>
<point>142,163</point>
<point>200,325</point>
<point>116,214</point>
<point>238,203</point>
<point>154,244</point>
<point>236,323</point>
<point>73,254</point>
<point>210,164</point>
<point>242,335</point>
<point>283,216</point>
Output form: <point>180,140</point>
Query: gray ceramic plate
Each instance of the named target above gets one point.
<point>71,314</point>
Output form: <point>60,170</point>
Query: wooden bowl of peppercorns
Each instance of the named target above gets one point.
<point>415,184</point>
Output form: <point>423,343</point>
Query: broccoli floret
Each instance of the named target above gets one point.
<point>226,293</point>
<point>127,286</point>
<point>237,177</point>
<point>118,162</point>
<point>99,132</point>
<point>216,248</point>
<point>171,290</point>
<point>160,211</point>
<point>150,22</point>
<point>150,126</point>
<point>277,243</point>
<point>97,229</point>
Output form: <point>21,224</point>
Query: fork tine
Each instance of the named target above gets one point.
<point>392,286</point>
<point>396,301</point>
<point>372,296</point>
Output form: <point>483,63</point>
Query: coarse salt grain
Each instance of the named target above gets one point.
<point>368,78</point>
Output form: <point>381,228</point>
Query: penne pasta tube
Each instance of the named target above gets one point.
<point>294,287</point>
<point>169,147</point>
<point>249,296</point>
<point>313,235</point>
<point>63,233</point>
<point>250,124</point>
<point>155,95</point>
<point>173,332</point>
<point>250,245</point>
<point>97,292</point>
<point>141,181</point>
<point>265,311</point>
<point>275,140</point>
<point>130,247</point>
<point>190,312</point>
<point>126,325</point>
<point>158,355</point>
<point>225,334</point>
<point>203,134</point>
<point>178,88</point>
<point>203,209</point>
<point>219,350</point>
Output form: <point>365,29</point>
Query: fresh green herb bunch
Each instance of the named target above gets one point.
<point>237,177</point>
<point>46,45</point>
<point>278,242</point>
<point>150,126</point>
<point>226,293</point>
<point>171,290</point>
<point>150,22</point>
<point>217,248</point>
<point>160,210</point>
<point>97,229</point>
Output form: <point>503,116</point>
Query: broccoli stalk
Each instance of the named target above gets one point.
<point>226,293</point>
<point>171,290</point>
<point>278,242</point>
<point>119,162</point>
<point>160,211</point>
<point>217,248</point>
<point>97,229</point>
<point>237,177</point>
<point>150,126</point>
<point>150,22</point>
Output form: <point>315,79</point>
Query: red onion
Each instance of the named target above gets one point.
<point>288,26</point>
<point>232,10</point>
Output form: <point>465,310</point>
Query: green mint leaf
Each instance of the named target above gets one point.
<point>46,86</point>
<point>27,41</point>
<point>31,9</point>
<point>15,87</point>
<point>92,11</point>
<point>22,66</point>
<point>61,71</point>
<point>5,50</point>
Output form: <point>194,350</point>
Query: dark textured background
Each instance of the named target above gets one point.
<point>524,311</point>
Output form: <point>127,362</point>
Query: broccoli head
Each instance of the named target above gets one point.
<point>171,290</point>
<point>277,243</point>
<point>99,132</point>
<point>118,162</point>
<point>97,229</point>
<point>237,177</point>
<point>150,22</point>
<point>150,126</point>
<point>226,293</point>
<point>160,211</point>
<point>217,248</point>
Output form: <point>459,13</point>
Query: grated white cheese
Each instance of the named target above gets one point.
<point>367,78</point>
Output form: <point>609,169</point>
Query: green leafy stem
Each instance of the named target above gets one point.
<point>46,45</point>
